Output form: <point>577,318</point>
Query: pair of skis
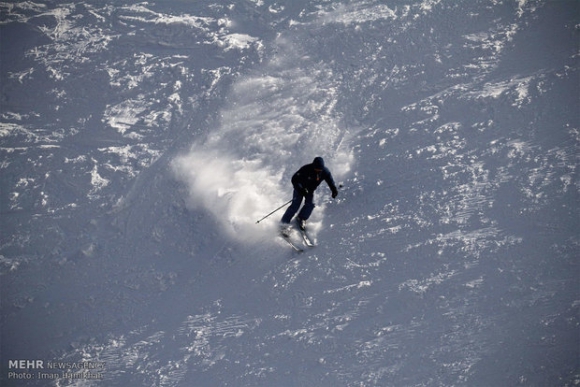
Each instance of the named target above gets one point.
<point>305,239</point>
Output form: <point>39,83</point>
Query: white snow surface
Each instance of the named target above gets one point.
<point>141,141</point>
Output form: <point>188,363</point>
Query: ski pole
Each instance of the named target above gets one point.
<point>277,209</point>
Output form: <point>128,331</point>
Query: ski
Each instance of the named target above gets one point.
<point>301,227</point>
<point>291,244</point>
<point>307,241</point>
<point>286,235</point>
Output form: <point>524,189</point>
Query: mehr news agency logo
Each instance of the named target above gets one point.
<point>40,369</point>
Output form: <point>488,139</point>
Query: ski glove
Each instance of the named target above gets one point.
<point>334,193</point>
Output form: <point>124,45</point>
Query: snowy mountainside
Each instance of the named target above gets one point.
<point>140,142</point>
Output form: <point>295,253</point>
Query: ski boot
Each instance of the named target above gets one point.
<point>285,230</point>
<point>301,224</point>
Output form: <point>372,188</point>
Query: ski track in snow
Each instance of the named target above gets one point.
<point>132,182</point>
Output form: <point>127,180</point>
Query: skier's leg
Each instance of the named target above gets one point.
<point>294,206</point>
<point>307,208</point>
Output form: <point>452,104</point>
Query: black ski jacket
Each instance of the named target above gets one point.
<point>309,178</point>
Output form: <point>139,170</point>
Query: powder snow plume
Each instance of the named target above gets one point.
<point>277,119</point>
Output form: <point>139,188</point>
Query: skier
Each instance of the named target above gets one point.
<point>305,181</point>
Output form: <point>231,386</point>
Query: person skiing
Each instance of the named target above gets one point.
<point>305,181</point>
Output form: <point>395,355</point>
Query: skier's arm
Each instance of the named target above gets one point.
<point>330,181</point>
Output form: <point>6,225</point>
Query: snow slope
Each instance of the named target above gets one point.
<point>140,142</point>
